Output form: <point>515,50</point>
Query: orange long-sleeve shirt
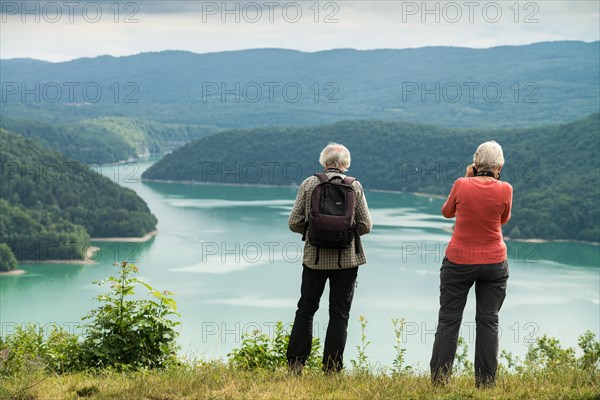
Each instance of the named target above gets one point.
<point>480,207</point>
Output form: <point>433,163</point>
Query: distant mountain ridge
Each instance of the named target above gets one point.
<point>554,169</point>
<point>540,83</point>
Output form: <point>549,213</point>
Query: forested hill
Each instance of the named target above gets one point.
<point>108,139</point>
<point>51,205</point>
<point>554,169</point>
<point>504,86</point>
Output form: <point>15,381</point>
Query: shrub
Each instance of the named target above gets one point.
<point>259,351</point>
<point>591,351</point>
<point>546,352</point>
<point>131,334</point>
<point>27,349</point>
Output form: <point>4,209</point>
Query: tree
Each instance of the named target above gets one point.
<point>8,262</point>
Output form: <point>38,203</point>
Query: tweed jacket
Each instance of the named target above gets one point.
<point>328,258</point>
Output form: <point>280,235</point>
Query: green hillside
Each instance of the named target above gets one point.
<point>51,205</point>
<point>539,83</point>
<point>554,169</point>
<point>108,139</point>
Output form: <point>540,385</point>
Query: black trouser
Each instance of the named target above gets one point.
<point>490,290</point>
<point>341,292</point>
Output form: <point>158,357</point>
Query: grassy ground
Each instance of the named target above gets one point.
<point>217,381</point>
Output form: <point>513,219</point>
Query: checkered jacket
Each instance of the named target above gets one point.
<point>328,258</point>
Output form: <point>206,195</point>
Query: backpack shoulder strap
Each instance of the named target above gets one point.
<point>322,177</point>
<point>349,180</point>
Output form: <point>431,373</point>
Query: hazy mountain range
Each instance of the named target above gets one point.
<point>503,86</point>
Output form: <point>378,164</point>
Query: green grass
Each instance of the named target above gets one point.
<point>219,381</point>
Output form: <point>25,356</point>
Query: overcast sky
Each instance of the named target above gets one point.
<point>64,30</point>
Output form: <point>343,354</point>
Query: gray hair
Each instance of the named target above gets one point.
<point>335,155</point>
<point>489,156</point>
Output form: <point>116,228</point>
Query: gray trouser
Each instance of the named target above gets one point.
<point>490,290</point>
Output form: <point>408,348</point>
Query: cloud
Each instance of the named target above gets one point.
<point>201,26</point>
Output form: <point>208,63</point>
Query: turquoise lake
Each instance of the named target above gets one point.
<point>227,254</point>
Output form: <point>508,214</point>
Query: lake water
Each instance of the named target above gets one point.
<point>234,266</point>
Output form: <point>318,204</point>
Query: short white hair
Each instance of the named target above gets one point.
<point>335,155</point>
<point>489,156</point>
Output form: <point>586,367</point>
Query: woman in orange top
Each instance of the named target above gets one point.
<point>476,254</point>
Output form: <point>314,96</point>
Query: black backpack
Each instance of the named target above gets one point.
<point>331,218</point>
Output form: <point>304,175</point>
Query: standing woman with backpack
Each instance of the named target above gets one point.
<point>331,213</point>
<point>476,255</point>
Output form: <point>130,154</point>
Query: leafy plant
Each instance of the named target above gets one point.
<point>362,363</point>
<point>28,349</point>
<point>259,351</point>
<point>513,363</point>
<point>398,363</point>
<point>131,334</point>
<point>462,364</point>
<point>591,351</point>
<point>546,352</point>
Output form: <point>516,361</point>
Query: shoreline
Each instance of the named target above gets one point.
<point>88,259</point>
<point>89,252</point>
<point>14,272</point>
<point>142,239</point>
<point>537,240</point>
<point>419,194</point>
<point>264,185</point>
<point>434,196</point>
